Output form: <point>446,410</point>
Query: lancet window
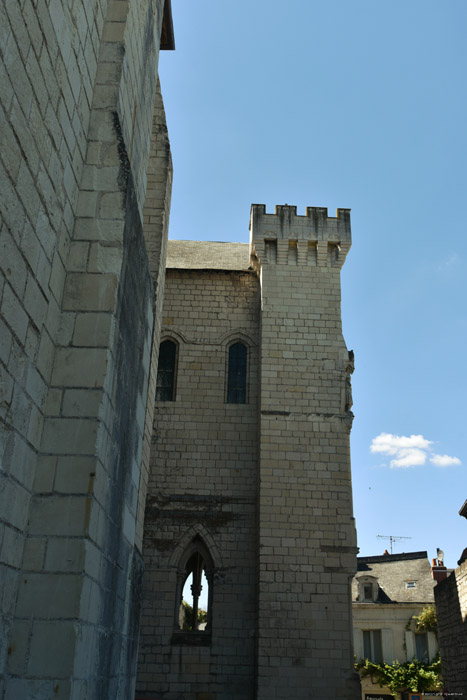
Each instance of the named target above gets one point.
<point>237,373</point>
<point>167,371</point>
<point>195,590</point>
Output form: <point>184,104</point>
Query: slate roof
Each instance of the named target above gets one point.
<point>392,572</point>
<point>208,255</point>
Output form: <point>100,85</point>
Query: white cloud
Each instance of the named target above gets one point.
<point>409,451</point>
<point>392,444</point>
<point>444,460</point>
<point>409,458</point>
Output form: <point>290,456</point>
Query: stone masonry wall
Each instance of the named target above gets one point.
<point>48,63</point>
<point>307,543</point>
<point>203,481</point>
<point>156,225</point>
<point>77,96</point>
<point>451,610</point>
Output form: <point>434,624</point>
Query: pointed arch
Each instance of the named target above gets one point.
<point>173,333</point>
<point>183,544</point>
<point>238,334</point>
<point>195,564</point>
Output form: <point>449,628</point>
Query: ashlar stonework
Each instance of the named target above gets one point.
<point>247,470</point>
<point>263,483</point>
<point>85,177</point>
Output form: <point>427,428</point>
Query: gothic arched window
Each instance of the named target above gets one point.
<point>166,371</point>
<point>237,373</point>
<point>194,594</point>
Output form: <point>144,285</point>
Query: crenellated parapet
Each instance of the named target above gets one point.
<point>285,238</point>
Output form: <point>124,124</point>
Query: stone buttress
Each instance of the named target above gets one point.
<point>86,177</point>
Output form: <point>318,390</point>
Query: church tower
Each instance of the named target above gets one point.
<point>307,542</point>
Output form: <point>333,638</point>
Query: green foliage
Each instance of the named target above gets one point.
<point>426,621</point>
<point>188,620</point>
<point>413,676</point>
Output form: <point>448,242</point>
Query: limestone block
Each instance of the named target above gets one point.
<point>14,314</point>
<point>12,263</point>
<point>18,647</point>
<point>14,503</point>
<point>45,474</point>
<point>65,329</point>
<point>103,179</point>
<point>65,555</point>
<point>81,403</point>
<point>93,329</point>
<point>12,210</point>
<point>6,387</point>
<point>110,228</point>
<point>34,553</point>
<point>22,459</point>
<point>88,292</point>
<point>11,549</point>
<point>57,277</point>
<point>75,475</point>
<point>85,367</point>
<point>8,587</point>
<point>78,256</point>
<point>16,72</point>
<point>35,303</point>
<point>105,258</point>
<point>39,690</point>
<point>70,435</point>
<point>45,356</point>
<point>5,342</point>
<point>52,649</point>
<point>111,207</point>
<point>53,402</point>
<point>52,515</point>
<point>49,596</point>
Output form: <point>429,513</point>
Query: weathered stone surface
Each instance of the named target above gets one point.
<point>451,609</point>
<point>273,470</point>
<point>76,301</point>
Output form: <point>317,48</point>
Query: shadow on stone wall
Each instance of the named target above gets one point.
<point>451,609</point>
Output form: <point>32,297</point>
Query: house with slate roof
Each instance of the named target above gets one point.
<point>387,592</point>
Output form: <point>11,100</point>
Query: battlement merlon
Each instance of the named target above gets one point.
<point>330,236</point>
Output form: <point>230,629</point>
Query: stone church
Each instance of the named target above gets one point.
<point>175,489</point>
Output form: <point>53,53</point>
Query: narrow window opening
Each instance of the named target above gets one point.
<point>421,646</point>
<point>372,646</point>
<point>166,371</point>
<point>292,253</point>
<point>271,251</point>
<point>312,253</point>
<point>237,373</point>
<point>195,596</point>
<point>367,592</point>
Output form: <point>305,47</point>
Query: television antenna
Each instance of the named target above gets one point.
<point>392,538</point>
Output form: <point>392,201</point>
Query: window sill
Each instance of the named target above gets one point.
<point>195,639</point>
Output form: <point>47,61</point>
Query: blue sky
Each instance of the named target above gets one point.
<point>363,105</point>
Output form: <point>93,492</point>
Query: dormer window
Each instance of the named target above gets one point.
<point>410,584</point>
<point>368,589</point>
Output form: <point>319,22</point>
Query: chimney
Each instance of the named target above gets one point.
<point>438,570</point>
